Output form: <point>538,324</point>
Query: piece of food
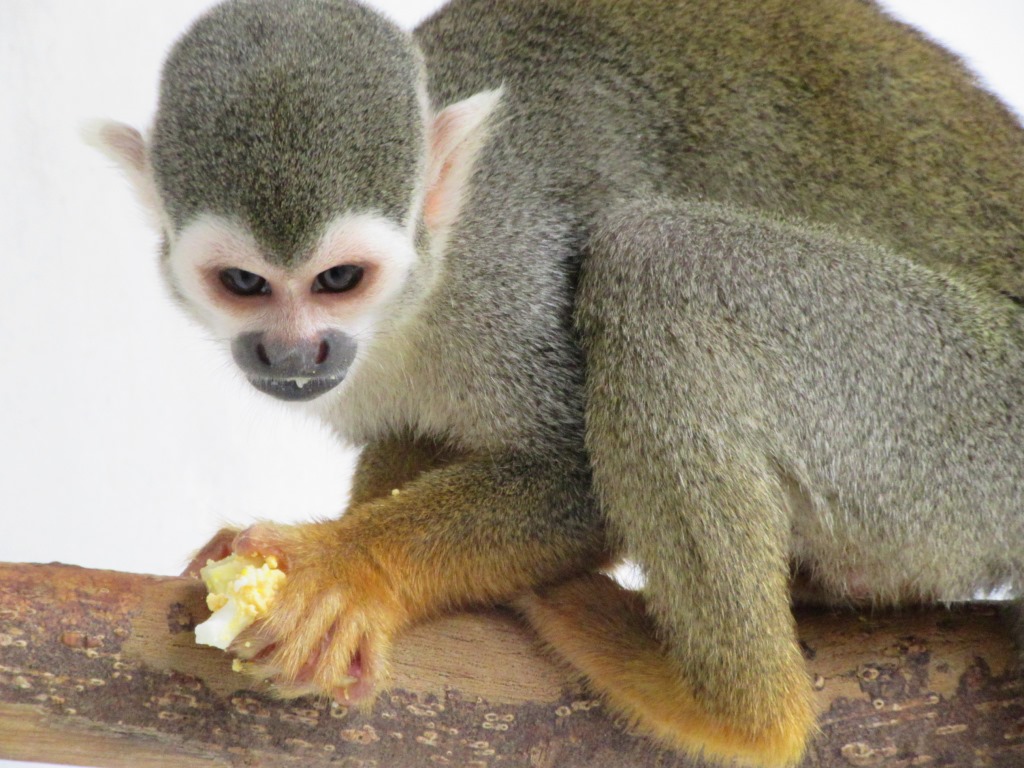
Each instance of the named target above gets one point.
<point>242,589</point>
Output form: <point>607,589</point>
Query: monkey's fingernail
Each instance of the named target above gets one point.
<point>341,691</point>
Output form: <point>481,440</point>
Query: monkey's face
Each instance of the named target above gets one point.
<point>293,159</point>
<point>295,331</point>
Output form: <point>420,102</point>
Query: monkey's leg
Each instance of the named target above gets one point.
<point>606,632</point>
<point>477,530</point>
<point>684,475</point>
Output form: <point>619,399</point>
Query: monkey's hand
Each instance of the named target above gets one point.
<point>478,530</point>
<point>330,627</point>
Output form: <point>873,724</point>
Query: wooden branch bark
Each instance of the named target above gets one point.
<point>99,668</point>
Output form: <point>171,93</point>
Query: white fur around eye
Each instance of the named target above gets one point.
<point>211,242</point>
<point>368,238</point>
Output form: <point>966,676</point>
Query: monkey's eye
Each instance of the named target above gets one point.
<point>242,283</point>
<point>338,279</point>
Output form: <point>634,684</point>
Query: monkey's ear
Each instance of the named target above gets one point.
<point>456,135</point>
<point>127,148</point>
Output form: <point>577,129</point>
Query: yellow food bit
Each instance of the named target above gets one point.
<point>395,491</point>
<point>237,665</point>
<point>242,590</point>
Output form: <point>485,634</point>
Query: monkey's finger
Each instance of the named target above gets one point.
<point>252,645</point>
<point>264,540</point>
<point>215,549</point>
<point>353,671</point>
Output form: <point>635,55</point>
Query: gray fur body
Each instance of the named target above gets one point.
<point>733,288</point>
<point>878,400</point>
<point>885,379</point>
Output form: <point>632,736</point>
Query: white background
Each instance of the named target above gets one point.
<point>125,436</point>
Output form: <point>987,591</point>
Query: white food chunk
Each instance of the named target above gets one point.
<point>241,590</point>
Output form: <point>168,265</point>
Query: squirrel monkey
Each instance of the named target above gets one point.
<point>730,288</point>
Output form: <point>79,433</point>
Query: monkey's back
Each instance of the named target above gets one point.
<point>825,110</point>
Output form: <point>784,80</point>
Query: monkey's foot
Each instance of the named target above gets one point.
<point>330,627</point>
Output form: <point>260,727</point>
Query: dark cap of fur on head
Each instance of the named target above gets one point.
<point>283,113</point>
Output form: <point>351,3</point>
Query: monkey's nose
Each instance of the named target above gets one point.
<point>294,370</point>
<point>302,357</point>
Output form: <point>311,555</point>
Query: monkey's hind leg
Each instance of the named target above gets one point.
<point>605,632</point>
<point>681,455</point>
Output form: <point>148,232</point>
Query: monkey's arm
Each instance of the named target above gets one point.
<point>393,461</point>
<point>383,466</point>
<point>478,530</point>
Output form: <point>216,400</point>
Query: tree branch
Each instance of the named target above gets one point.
<point>99,668</point>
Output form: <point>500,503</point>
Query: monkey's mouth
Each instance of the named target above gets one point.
<point>297,388</point>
